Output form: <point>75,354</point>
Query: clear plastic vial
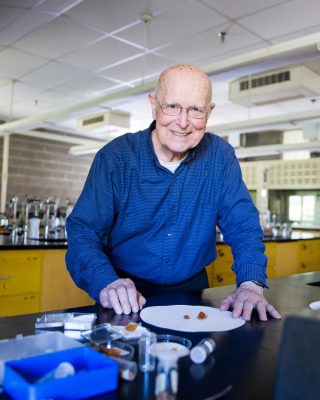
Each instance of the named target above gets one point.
<point>167,376</point>
<point>201,351</point>
<point>127,369</point>
<point>147,358</point>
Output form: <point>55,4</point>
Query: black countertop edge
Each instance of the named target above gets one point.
<point>6,242</point>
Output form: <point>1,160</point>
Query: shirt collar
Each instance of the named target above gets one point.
<point>191,155</point>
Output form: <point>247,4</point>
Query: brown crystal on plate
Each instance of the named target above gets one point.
<point>202,315</point>
<point>132,326</point>
<point>186,316</point>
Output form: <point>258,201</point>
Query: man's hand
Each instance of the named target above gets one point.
<point>122,296</point>
<point>247,297</point>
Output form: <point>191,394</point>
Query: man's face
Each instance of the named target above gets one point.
<point>175,135</point>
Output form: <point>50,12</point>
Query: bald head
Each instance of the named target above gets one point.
<point>190,75</point>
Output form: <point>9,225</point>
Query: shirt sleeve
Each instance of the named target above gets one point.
<point>239,223</point>
<point>88,228</point>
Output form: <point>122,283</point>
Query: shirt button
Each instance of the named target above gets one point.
<point>173,208</point>
<point>174,181</point>
<point>169,234</point>
<point>166,260</point>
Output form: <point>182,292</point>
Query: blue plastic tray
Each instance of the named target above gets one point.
<point>95,374</point>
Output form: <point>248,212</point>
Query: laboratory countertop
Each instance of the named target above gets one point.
<point>294,235</point>
<point>245,359</point>
<point>7,242</point>
<point>58,242</point>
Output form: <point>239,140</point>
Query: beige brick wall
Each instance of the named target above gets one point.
<point>44,168</point>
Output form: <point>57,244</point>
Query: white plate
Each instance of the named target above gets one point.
<point>174,317</point>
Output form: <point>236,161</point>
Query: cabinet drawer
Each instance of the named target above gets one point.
<point>222,279</point>
<point>309,255</point>
<point>224,253</point>
<point>19,304</point>
<point>20,272</point>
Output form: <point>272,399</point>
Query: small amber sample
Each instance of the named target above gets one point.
<point>202,315</point>
<point>132,326</point>
<point>186,316</point>
<point>110,352</point>
<point>113,352</point>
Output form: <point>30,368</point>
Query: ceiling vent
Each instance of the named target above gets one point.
<point>106,121</point>
<point>275,86</point>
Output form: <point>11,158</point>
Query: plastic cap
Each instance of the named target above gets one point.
<point>198,354</point>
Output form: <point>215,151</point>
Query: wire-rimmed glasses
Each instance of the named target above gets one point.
<point>175,109</point>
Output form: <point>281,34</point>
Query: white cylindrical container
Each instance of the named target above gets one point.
<point>167,376</point>
<point>33,228</point>
<point>201,351</point>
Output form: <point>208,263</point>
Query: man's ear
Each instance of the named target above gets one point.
<point>211,107</point>
<point>152,101</point>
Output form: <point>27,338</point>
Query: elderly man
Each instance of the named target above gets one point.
<point>145,222</point>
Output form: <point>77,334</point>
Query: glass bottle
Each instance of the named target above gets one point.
<point>200,352</point>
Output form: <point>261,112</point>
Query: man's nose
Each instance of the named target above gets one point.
<point>183,117</point>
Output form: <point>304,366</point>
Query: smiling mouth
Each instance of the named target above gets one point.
<point>181,134</point>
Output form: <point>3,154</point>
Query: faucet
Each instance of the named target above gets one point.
<point>13,203</point>
<point>50,205</point>
<point>69,208</point>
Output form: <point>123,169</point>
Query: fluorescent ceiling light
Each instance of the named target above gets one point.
<point>104,122</point>
<point>275,149</point>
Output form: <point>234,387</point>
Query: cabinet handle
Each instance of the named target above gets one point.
<point>303,265</point>
<point>5,277</point>
<point>220,253</point>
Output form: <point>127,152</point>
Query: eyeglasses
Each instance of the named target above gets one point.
<point>175,109</point>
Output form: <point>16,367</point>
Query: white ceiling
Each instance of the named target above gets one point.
<point>61,59</point>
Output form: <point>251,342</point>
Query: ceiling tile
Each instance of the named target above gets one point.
<point>19,3</point>
<point>208,45</point>
<point>55,98</point>
<point>9,14</point>
<point>101,54</point>
<point>56,6</point>
<point>28,109</point>
<point>57,38</point>
<point>109,16</point>
<point>172,25</point>
<point>87,87</point>
<point>21,91</point>
<point>284,18</point>
<point>240,8</point>
<point>14,63</point>
<point>52,74</point>
<point>146,66</point>
<point>27,22</point>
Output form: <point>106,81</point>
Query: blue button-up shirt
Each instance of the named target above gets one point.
<point>136,215</point>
